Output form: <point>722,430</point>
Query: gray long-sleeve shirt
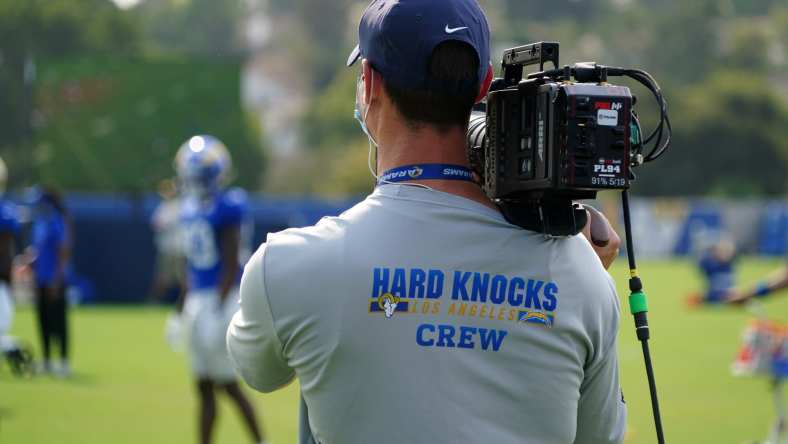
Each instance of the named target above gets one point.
<point>422,317</point>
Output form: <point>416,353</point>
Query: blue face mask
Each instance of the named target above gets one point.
<point>360,112</point>
<point>360,119</point>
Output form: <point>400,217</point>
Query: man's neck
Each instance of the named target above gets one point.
<point>403,145</point>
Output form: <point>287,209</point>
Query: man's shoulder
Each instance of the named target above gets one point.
<point>233,198</point>
<point>312,250</point>
<point>576,263</point>
<point>307,242</point>
<point>232,204</point>
<point>326,233</point>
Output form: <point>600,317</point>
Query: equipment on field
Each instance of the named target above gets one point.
<point>545,140</point>
<point>18,356</point>
<point>764,353</point>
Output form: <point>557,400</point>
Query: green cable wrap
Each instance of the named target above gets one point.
<point>638,303</point>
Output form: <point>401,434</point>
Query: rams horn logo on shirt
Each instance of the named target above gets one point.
<point>415,173</point>
<point>388,303</point>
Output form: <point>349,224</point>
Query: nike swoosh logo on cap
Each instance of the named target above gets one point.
<point>453,30</point>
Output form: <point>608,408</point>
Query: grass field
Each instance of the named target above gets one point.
<point>129,387</point>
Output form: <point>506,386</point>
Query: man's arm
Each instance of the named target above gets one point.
<point>252,340</point>
<point>230,247</point>
<point>775,282</point>
<point>601,412</point>
<point>183,284</point>
<point>7,247</point>
<point>603,239</point>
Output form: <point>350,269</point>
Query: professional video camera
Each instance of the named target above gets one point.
<point>558,136</point>
<point>563,135</point>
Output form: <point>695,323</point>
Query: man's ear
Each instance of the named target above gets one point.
<point>371,82</point>
<point>485,85</point>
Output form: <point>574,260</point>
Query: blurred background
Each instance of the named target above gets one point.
<point>96,96</point>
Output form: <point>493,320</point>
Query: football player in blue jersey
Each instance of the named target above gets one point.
<point>18,358</point>
<point>50,253</point>
<point>717,264</point>
<point>214,223</point>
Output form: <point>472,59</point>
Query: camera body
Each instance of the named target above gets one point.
<point>548,140</point>
<point>567,139</point>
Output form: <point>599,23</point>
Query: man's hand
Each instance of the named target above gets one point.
<point>604,240</point>
<point>173,332</point>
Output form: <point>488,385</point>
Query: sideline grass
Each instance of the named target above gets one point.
<point>130,388</point>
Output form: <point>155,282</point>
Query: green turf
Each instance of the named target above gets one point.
<point>129,388</point>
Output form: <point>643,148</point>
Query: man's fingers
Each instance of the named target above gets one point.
<point>600,234</point>
<point>599,227</point>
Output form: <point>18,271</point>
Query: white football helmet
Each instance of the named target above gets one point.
<point>202,164</point>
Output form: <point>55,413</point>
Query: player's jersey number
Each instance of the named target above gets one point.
<point>201,249</point>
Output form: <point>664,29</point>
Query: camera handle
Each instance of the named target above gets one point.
<point>638,305</point>
<point>551,217</point>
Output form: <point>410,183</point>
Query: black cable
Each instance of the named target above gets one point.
<point>639,308</point>
<point>584,72</point>
<point>664,129</point>
<point>652,385</point>
<point>628,231</point>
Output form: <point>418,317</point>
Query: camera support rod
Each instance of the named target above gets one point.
<point>639,308</point>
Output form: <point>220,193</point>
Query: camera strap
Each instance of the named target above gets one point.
<point>428,171</point>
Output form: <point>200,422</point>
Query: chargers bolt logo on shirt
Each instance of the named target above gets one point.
<point>535,317</point>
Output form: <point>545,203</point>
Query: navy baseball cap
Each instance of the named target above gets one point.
<point>398,37</point>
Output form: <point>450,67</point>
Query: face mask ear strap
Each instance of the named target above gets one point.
<point>371,88</point>
<point>363,121</point>
<point>374,143</point>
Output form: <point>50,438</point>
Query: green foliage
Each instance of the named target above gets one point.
<point>691,47</point>
<point>547,9</point>
<point>32,29</point>
<point>754,7</point>
<point>730,139</point>
<point>749,47</point>
<point>715,60</point>
<point>333,135</point>
<point>329,124</point>
<point>114,123</point>
<point>326,27</point>
<point>201,27</point>
<point>683,43</point>
<point>62,27</point>
<point>97,115</point>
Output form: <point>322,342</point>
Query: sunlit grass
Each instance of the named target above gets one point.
<point>129,387</point>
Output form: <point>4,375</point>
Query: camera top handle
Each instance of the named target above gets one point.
<point>515,59</point>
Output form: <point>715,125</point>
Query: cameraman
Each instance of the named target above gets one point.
<point>421,315</point>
